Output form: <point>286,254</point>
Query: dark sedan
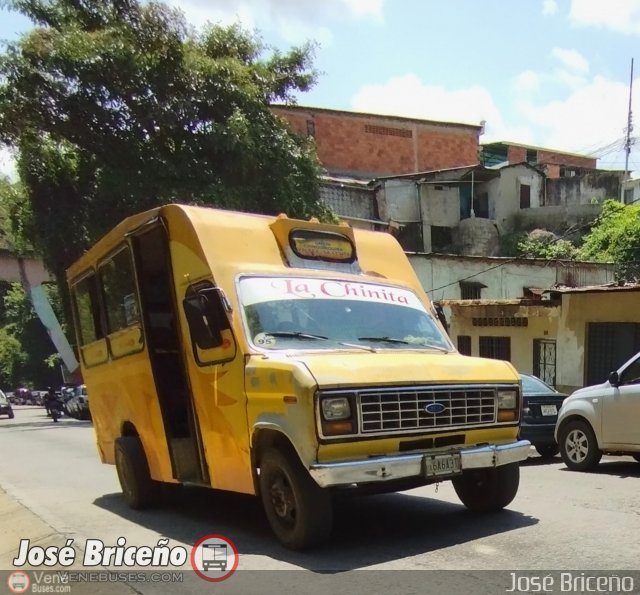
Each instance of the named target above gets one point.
<point>540,407</point>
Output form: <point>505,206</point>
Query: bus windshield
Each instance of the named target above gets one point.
<point>312,313</point>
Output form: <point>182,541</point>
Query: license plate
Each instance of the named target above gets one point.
<point>548,410</point>
<point>442,465</point>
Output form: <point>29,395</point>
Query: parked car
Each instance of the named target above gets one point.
<point>602,419</point>
<point>77,406</point>
<point>540,406</point>
<point>5,406</point>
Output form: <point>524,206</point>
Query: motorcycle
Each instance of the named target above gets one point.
<point>55,406</point>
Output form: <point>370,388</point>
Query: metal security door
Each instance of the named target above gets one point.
<point>544,360</point>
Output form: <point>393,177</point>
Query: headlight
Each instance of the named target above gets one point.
<point>507,399</point>
<point>336,408</point>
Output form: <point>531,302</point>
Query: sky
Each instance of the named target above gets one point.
<point>552,73</point>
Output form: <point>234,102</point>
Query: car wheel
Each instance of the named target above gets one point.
<point>298,510</point>
<point>547,451</point>
<point>139,490</point>
<point>11,414</point>
<point>488,490</point>
<point>578,446</point>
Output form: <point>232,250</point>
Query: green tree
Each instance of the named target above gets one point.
<point>541,243</point>
<point>25,348</point>
<point>117,106</point>
<point>615,236</point>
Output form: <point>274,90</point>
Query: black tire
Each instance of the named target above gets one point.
<point>11,414</point>
<point>578,446</point>
<point>298,510</point>
<point>139,490</point>
<point>488,490</point>
<point>547,451</point>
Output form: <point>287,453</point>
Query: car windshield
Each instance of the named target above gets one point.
<point>3,398</point>
<point>533,385</point>
<point>312,313</point>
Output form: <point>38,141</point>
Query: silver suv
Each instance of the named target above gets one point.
<point>602,419</point>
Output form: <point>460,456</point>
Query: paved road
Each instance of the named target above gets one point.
<point>560,519</point>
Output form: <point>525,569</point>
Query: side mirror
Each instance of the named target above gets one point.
<point>614,379</point>
<point>204,325</point>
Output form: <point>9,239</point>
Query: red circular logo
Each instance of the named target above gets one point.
<point>18,582</point>
<point>214,558</point>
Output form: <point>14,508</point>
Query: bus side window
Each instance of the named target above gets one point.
<point>124,330</point>
<point>93,347</point>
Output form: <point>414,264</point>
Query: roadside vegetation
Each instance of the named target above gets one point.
<point>119,106</point>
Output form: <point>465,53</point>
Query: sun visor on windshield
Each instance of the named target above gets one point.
<point>313,245</point>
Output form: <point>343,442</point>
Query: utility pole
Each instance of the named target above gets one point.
<point>627,144</point>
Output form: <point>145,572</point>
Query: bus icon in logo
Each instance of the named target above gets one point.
<point>214,558</point>
<point>214,555</point>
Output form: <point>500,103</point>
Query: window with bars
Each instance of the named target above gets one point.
<point>495,347</point>
<point>471,290</point>
<point>464,344</point>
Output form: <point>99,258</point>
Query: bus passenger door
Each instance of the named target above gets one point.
<point>154,273</point>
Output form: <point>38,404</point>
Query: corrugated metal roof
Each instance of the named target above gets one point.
<point>499,302</point>
<point>596,288</point>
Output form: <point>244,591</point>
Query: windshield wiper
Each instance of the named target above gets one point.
<point>403,342</point>
<point>384,340</point>
<point>296,335</point>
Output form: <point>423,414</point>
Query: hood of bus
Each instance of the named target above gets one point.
<point>332,370</point>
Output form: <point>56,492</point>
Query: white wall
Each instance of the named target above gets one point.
<point>504,277</point>
<point>504,194</point>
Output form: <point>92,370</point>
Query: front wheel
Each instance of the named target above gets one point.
<point>547,451</point>
<point>298,510</point>
<point>11,414</point>
<point>488,490</point>
<point>578,446</point>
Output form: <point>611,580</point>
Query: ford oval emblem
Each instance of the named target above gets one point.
<point>434,408</point>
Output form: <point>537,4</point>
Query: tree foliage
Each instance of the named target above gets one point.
<point>25,347</point>
<point>615,236</point>
<point>545,244</point>
<point>118,106</point>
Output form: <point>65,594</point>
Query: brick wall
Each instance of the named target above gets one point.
<point>371,145</point>
<point>516,154</point>
<point>564,159</point>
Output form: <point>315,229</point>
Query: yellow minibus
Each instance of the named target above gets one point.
<point>288,359</point>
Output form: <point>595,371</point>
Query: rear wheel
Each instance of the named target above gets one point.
<point>547,451</point>
<point>578,446</point>
<point>488,490</point>
<point>298,510</point>
<point>139,490</point>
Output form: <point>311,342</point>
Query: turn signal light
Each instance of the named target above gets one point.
<point>333,428</point>
<point>508,415</point>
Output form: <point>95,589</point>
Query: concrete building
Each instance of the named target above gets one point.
<point>572,338</point>
<point>454,277</point>
<point>32,268</point>
<point>555,164</point>
<point>467,210</point>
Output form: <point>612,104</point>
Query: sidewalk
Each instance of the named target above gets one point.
<point>18,522</point>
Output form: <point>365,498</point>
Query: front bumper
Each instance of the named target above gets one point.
<point>378,469</point>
